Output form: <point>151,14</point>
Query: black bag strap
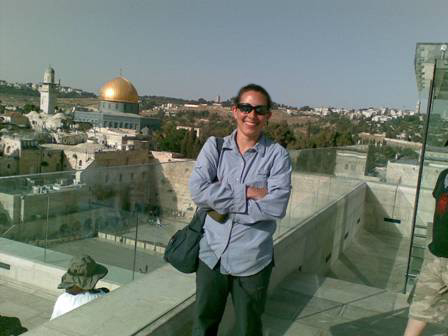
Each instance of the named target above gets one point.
<point>199,215</point>
<point>219,144</point>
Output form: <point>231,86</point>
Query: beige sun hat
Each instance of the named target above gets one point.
<point>83,272</point>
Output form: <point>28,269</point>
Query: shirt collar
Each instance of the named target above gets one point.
<point>230,143</point>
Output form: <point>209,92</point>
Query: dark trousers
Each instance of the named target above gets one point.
<point>248,296</point>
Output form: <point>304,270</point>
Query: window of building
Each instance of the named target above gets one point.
<point>120,178</point>
<point>125,125</point>
<point>80,162</point>
<point>132,176</point>
<point>346,166</point>
<point>106,178</point>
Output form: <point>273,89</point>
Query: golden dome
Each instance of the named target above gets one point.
<point>119,90</point>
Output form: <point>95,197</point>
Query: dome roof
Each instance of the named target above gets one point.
<point>119,90</point>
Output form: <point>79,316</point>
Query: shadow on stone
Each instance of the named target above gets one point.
<point>11,326</point>
<point>390,323</point>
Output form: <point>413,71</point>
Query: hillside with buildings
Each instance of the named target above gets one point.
<point>96,145</point>
<point>178,125</point>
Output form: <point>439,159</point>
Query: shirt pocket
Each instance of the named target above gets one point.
<point>259,180</point>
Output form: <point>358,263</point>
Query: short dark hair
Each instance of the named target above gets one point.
<point>256,88</point>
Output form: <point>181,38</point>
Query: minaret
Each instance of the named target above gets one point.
<point>48,92</point>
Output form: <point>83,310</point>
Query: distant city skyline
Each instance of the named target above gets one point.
<point>347,53</point>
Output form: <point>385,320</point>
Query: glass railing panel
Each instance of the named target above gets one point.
<point>434,155</point>
<point>316,181</point>
<point>98,212</point>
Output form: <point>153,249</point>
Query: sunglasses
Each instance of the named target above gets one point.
<point>259,110</point>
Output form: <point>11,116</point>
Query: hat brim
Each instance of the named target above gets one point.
<point>84,282</point>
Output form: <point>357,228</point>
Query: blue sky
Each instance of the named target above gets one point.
<point>350,53</point>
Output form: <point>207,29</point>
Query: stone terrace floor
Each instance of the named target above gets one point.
<point>308,305</point>
<point>32,305</point>
<point>302,305</point>
<point>375,259</point>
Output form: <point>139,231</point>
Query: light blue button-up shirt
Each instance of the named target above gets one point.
<point>244,242</point>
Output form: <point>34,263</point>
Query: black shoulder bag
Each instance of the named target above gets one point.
<point>182,251</point>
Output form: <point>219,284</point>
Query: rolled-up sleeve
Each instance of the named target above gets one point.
<point>273,205</point>
<point>207,192</point>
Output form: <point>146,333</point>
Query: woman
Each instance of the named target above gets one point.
<point>248,189</point>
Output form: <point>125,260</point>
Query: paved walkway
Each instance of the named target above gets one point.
<point>308,305</point>
<point>32,305</point>
<point>374,259</point>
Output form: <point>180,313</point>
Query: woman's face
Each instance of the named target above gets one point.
<point>251,124</point>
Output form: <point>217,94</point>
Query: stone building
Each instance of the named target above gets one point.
<point>29,206</point>
<point>119,138</point>
<point>23,155</point>
<point>118,108</point>
<point>350,163</point>
<point>16,118</point>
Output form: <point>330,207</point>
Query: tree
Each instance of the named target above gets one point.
<point>305,108</point>
<point>169,138</point>
<point>370,162</point>
<point>321,161</point>
<point>281,133</point>
<point>30,107</point>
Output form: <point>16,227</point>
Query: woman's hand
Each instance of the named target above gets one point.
<point>256,193</point>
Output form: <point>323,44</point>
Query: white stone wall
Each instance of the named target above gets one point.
<point>350,164</point>
<point>396,202</point>
<point>401,173</point>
